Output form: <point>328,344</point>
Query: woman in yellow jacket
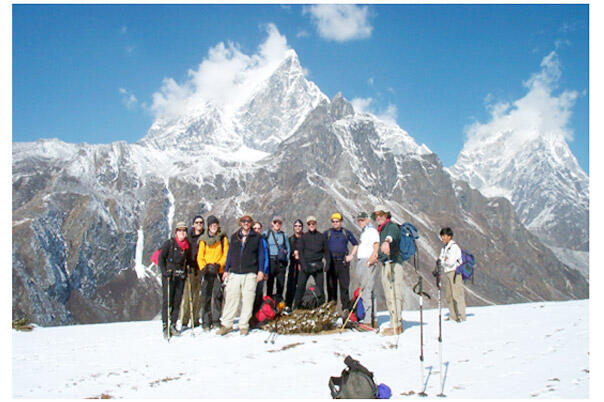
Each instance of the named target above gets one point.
<point>211,258</point>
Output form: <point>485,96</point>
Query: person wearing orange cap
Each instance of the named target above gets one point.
<point>338,272</point>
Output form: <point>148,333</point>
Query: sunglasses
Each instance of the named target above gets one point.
<point>277,222</point>
<point>246,221</point>
<point>199,223</point>
<point>311,223</point>
<point>181,230</point>
<point>297,226</point>
<point>335,221</point>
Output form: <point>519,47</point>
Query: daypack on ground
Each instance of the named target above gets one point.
<point>359,311</point>
<point>312,298</point>
<point>267,312</point>
<point>407,241</point>
<point>466,268</point>
<point>356,382</point>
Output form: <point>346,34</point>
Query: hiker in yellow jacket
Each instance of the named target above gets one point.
<point>211,258</point>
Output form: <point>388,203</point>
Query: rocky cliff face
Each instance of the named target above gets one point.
<point>79,211</point>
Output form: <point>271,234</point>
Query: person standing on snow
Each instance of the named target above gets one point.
<point>294,264</point>
<point>449,260</point>
<point>391,266</point>
<point>193,279</point>
<point>244,269</point>
<point>367,255</point>
<point>338,271</point>
<point>279,252</point>
<point>257,227</point>
<point>212,255</point>
<point>173,258</point>
<point>312,250</point>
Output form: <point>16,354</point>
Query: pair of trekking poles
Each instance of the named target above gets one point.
<point>421,293</point>
<point>168,330</point>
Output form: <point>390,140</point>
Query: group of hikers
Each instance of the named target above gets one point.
<point>207,276</point>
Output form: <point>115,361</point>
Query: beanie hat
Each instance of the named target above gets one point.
<point>336,215</point>
<point>212,219</point>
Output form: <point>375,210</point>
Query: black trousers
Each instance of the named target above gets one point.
<point>211,300</point>
<point>176,286</point>
<point>303,278</point>
<point>292,280</point>
<point>339,274</point>
<point>276,276</point>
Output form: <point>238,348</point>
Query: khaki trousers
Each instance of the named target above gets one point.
<point>455,296</point>
<point>185,308</point>
<point>239,288</point>
<point>392,281</point>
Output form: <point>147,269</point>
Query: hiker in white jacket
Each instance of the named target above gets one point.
<point>450,258</point>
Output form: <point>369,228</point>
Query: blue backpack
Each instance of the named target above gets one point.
<point>406,243</point>
<point>466,268</point>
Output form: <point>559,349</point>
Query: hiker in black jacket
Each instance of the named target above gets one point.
<point>312,250</point>
<point>294,264</point>
<point>173,259</point>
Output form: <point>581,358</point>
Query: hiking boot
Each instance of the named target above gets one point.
<point>206,328</point>
<point>243,331</point>
<point>174,331</point>
<point>224,330</point>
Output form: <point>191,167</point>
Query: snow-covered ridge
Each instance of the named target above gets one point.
<point>533,350</point>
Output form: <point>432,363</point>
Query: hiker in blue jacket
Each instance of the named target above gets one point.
<point>338,271</point>
<point>279,252</point>
<point>449,260</point>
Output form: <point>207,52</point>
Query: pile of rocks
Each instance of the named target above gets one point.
<point>320,319</point>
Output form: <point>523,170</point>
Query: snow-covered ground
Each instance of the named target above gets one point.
<point>513,351</point>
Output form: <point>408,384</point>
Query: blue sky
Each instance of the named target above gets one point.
<point>88,73</point>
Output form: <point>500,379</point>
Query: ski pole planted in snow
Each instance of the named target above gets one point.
<point>168,309</point>
<point>191,307</point>
<point>354,306</point>
<point>440,337</point>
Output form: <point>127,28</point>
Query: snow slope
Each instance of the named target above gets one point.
<point>511,351</point>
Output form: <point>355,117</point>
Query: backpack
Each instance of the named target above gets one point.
<point>406,243</point>
<point>356,382</point>
<point>282,250</point>
<point>267,312</point>
<point>311,299</point>
<point>359,311</point>
<point>466,268</point>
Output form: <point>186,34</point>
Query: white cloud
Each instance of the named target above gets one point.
<point>302,34</point>
<point>340,22</point>
<point>538,113</point>
<point>366,105</point>
<point>128,99</point>
<point>225,77</point>
<point>370,81</point>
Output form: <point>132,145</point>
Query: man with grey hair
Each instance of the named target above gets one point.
<point>367,257</point>
<point>279,252</point>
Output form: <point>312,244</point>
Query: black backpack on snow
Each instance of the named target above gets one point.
<point>311,299</point>
<point>356,382</point>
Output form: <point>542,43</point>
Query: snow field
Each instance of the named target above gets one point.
<point>512,351</point>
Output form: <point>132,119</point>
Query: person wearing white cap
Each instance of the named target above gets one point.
<point>173,259</point>
<point>278,251</point>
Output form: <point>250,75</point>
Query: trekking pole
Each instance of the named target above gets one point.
<point>440,338</point>
<point>373,323</point>
<point>358,298</point>
<point>421,334</point>
<point>191,306</point>
<point>168,310</point>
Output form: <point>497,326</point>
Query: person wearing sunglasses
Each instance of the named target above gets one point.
<point>294,264</point>
<point>243,270</point>
<point>174,256</point>
<point>313,250</point>
<point>279,252</point>
<point>193,281</point>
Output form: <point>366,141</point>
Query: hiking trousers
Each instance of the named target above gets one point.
<point>292,280</point>
<point>176,287</point>
<point>339,274</point>
<point>239,288</point>
<point>194,279</point>
<point>366,275</point>
<point>392,281</point>
<point>303,276</point>
<point>211,295</point>
<point>276,276</point>
<point>455,296</point>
